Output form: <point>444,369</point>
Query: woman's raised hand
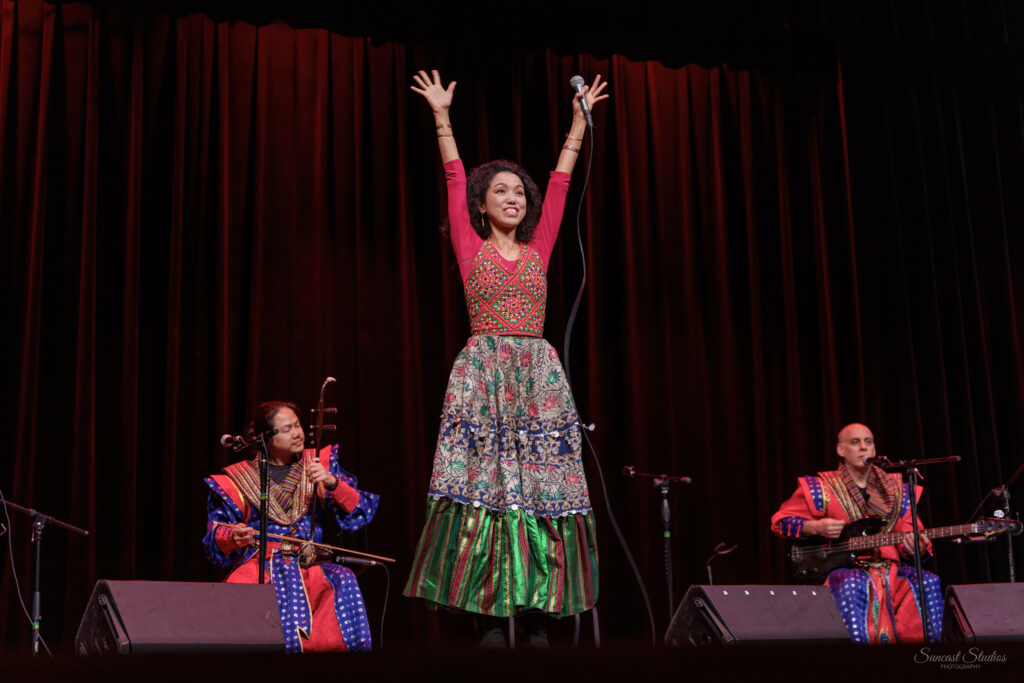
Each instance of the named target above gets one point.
<point>438,97</point>
<point>594,94</point>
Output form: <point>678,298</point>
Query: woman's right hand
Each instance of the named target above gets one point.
<point>438,97</point>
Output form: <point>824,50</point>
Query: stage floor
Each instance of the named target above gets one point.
<point>991,661</point>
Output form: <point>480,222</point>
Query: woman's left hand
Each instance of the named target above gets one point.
<point>594,94</point>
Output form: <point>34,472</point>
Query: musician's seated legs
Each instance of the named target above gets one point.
<point>851,589</point>
<point>908,618</point>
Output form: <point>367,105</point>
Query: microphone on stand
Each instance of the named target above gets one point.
<point>240,443</point>
<point>356,561</point>
<point>231,440</point>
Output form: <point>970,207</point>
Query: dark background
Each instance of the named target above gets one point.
<point>800,215</point>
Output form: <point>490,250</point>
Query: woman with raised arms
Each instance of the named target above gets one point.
<point>509,530</point>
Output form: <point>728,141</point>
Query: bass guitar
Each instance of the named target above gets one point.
<point>810,560</point>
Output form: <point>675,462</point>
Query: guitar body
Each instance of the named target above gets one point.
<point>811,560</point>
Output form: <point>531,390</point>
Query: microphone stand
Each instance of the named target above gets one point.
<point>662,482</point>
<point>239,446</point>
<point>1005,494</point>
<point>719,550</point>
<point>909,470</point>
<point>264,494</point>
<point>1003,491</point>
<point>39,522</point>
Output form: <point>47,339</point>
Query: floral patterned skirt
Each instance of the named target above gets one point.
<point>508,496</point>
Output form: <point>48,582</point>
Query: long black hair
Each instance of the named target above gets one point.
<point>263,418</point>
<point>477,182</point>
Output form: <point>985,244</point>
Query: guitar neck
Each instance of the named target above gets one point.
<point>895,538</point>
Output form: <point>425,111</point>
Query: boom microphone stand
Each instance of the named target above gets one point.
<point>662,482</point>
<point>1003,491</point>
<point>238,444</point>
<point>909,470</point>
<point>39,522</point>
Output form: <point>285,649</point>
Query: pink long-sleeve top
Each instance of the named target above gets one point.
<point>504,297</point>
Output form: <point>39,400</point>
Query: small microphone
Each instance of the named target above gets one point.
<point>577,83</point>
<point>629,471</point>
<point>230,440</point>
<point>589,427</point>
<point>355,561</point>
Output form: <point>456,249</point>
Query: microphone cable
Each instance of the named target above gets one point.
<point>568,339</point>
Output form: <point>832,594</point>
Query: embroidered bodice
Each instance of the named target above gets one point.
<point>502,301</point>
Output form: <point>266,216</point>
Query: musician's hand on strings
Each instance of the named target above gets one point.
<point>242,535</point>
<point>826,526</point>
<point>907,545</point>
<point>318,474</point>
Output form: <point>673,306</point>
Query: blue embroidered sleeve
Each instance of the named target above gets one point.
<point>792,527</point>
<point>219,508</point>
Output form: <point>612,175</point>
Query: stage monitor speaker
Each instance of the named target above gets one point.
<point>728,615</point>
<point>984,611</point>
<point>133,617</point>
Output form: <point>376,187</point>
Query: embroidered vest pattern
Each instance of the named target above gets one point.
<point>285,505</point>
<point>501,302</point>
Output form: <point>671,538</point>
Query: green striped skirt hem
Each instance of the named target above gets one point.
<point>502,563</point>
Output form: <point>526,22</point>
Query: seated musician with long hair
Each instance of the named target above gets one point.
<point>321,604</point>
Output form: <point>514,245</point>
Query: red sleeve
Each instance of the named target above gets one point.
<point>551,216</point>
<point>226,544</point>
<point>465,241</point>
<point>345,496</point>
<point>906,549</point>
<point>788,521</point>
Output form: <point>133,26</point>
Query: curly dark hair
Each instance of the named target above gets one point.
<point>477,182</point>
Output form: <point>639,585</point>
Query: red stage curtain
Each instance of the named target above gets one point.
<point>199,214</point>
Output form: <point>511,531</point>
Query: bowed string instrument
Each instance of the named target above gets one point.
<point>316,430</point>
